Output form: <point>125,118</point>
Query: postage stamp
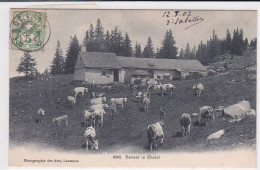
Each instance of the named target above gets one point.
<point>27,30</point>
<point>164,88</point>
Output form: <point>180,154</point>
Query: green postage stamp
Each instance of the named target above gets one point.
<point>27,30</point>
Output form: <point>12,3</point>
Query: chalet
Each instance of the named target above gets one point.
<point>106,68</point>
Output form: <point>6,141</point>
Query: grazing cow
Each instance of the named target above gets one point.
<point>40,113</point>
<point>96,95</point>
<point>185,124</point>
<point>113,110</point>
<point>89,118</point>
<point>71,100</point>
<point>141,95</point>
<point>120,101</point>
<point>151,83</point>
<point>90,135</point>
<point>198,89</point>
<point>162,113</point>
<point>99,116</point>
<point>98,106</point>
<point>61,119</point>
<point>167,87</point>
<point>206,112</point>
<point>80,90</point>
<point>155,134</point>
<point>98,100</point>
<point>146,102</point>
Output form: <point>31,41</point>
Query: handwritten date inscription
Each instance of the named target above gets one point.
<point>181,18</point>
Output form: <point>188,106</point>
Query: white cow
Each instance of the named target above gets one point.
<point>146,102</point>
<point>120,101</point>
<point>99,116</point>
<point>198,89</point>
<point>90,135</point>
<point>167,87</point>
<point>71,100</point>
<point>141,95</point>
<point>80,90</point>
<point>206,112</point>
<point>155,134</point>
<point>98,106</point>
<point>61,119</point>
<point>89,118</point>
<point>98,100</point>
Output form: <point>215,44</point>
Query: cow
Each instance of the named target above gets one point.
<point>185,124</point>
<point>206,112</point>
<point>120,101</point>
<point>98,106</point>
<point>162,113</point>
<point>198,88</point>
<point>113,110</point>
<point>90,135</point>
<point>97,100</point>
<point>89,118</point>
<point>167,87</point>
<point>146,102</point>
<point>155,134</point>
<point>80,90</point>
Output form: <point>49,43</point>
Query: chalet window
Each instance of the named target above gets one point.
<point>106,73</point>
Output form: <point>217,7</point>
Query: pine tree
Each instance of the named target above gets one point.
<point>149,49</point>
<point>138,51</point>
<point>168,49</point>
<point>57,66</point>
<point>228,41</point>
<point>72,55</point>
<point>99,37</point>
<point>107,42</point>
<point>193,53</point>
<point>114,41</point>
<point>187,52</point>
<point>27,65</point>
<point>86,38</point>
<point>246,44</point>
<point>128,50</point>
<point>90,44</point>
<point>237,47</point>
<point>181,55</point>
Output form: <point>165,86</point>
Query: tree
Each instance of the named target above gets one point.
<point>228,41</point>
<point>57,66</point>
<point>246,44</point>
<point>46,72</point>
<point>72,55</point>
<point>138,51</point>
<point>149,49</point>
<point>99,37</point>
<point>27,65</point>
<point>128,50</point>
<point>107,43</point>
<point>187,52</point>
<point>168,49</point>
<point>181,55</point>
<point>237,45</point>
<point>90,44</point>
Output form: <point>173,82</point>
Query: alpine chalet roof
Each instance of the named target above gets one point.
<point>111,61</point>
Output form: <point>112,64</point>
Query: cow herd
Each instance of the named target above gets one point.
<point>94,115</point>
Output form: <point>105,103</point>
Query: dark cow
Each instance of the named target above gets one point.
<point>185,124</point>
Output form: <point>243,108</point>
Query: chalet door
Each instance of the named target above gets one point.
<point>151,74</point>
<point>116,75</point>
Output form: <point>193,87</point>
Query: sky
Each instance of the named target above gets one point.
<point>139,24</point>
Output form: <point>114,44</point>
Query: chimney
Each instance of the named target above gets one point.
<point>83,49</point>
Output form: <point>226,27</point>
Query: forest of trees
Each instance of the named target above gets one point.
<point>97,40</point>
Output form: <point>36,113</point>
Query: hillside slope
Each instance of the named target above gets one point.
<point>127,132</point>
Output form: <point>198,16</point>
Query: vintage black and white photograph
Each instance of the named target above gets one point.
<point>132,85</point>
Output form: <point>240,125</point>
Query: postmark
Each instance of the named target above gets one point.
<point>29,30</point>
